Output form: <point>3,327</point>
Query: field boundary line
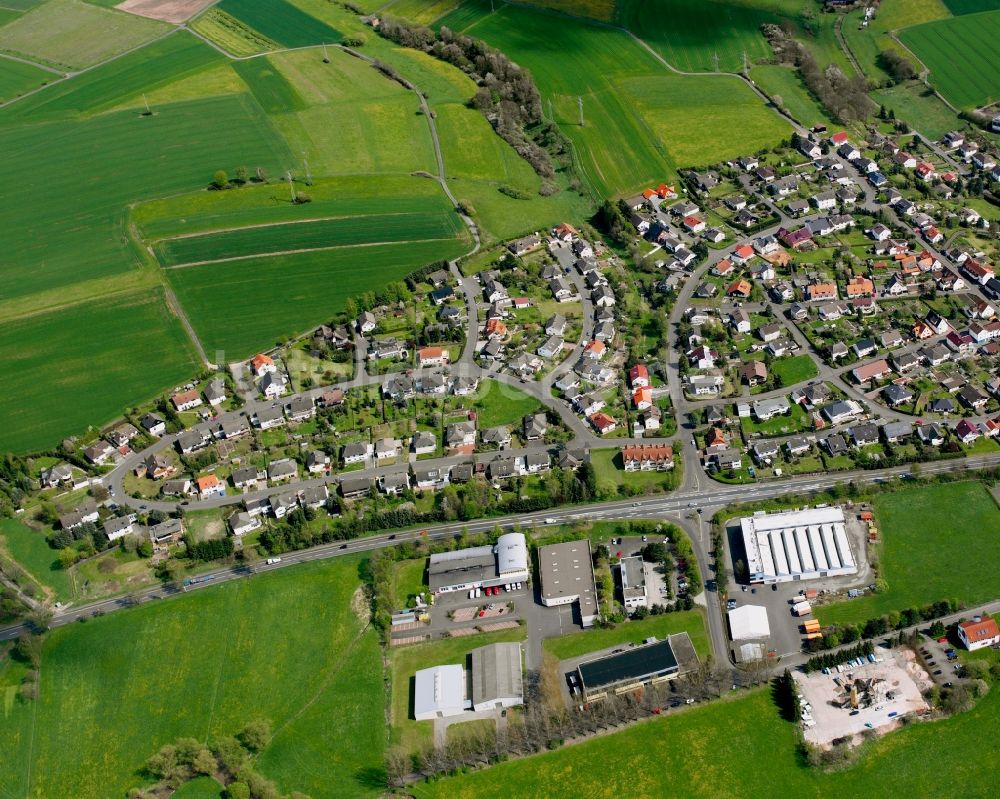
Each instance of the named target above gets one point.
<point>174,305</point>
<point>29,62</point>
<point>260,225</point>
<point>300,251</point>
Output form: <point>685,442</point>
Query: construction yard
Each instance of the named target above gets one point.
<point>873,696</point>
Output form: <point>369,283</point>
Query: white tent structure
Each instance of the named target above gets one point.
<point>749,622</point>
<point>439,692</point>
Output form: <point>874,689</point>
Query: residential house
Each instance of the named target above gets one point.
<point>602,423</point>
<point>498,436</point>
<point>215,393</point>
<point>273,385</point>
<point>281,470</point>
<point>896,395</point>
<point>535,426</point>
<point>753,373</point>
<point>863,435</point>
<point>247,477</point>
<point>876,370</point>
<point>153,424</point>
<point>261,364</point>
<point>186,400</point>
<point>647,457</point>
<point>387,448</point>
<point>432,356</point>
<point>394,484</point>
<point>118,527</point>
<point>357,452</point>
<point>210,486</point>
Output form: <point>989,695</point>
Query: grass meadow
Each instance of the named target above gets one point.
<point>794,369</point>
<point>30,549</point>
<point>353,120</point>
<point>784,83</point>
<point>741,748</point>
<point>960,7</point>
<point>74,34</point>
<point>16,78</point>
<point>633,632</point>
<point>961,55</point>
<point>690,33</point>
<point>281,22</point>
<point>938,542</point>
<point>920,107</point>
<point>77,366</point>
<point>284,646</point>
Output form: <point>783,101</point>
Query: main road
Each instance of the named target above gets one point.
<point>684,507</point>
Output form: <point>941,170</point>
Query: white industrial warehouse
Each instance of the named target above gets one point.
<point>797,545</point>
<point>493,681</point>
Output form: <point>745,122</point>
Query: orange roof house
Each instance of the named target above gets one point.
<point>739,288</point>
<point>261,362</point>
<point>642,397</point>
<point>496,328</point>
<point>208,483</point>
<point>821,291</point>
<point>859,286</point>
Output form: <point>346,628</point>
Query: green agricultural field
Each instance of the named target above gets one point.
<point>633,632</point>
<point>690,33</point>
<point>718,750</point>
<point>355,120</point>
<point>268,204</point>
<point>641,121</point>
<point>64,363</point>
<point>285,646</point>
<point>784,83</point>
<point>232,35</point>
<point>274,93</point>
<point>465,14</point>
<point>318,234</point>
<point>961,55</point>
<point>924,554</point>
<point>154,66</point>
<point>100,165</point>
<point>223,301</point>
<point>959,7</point>
<point>30,549</point>
<point>281,22</point>
<point>16,78</point>
<point>74,34</point>
<point>794,370</point>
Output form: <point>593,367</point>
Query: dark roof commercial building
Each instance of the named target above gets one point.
<point>479,567</point>
<point>626,671</point>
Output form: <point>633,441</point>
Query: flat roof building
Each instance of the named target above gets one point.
<point>439,692</point>
<point>632,574</point>
<point>567,575</point>
<point>479,567</point>
<point>797,545</point>
<point>628,670</point>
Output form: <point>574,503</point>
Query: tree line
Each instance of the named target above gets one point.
<point>838,634</point>
<point>507,95</point>
<point>846,99</point>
